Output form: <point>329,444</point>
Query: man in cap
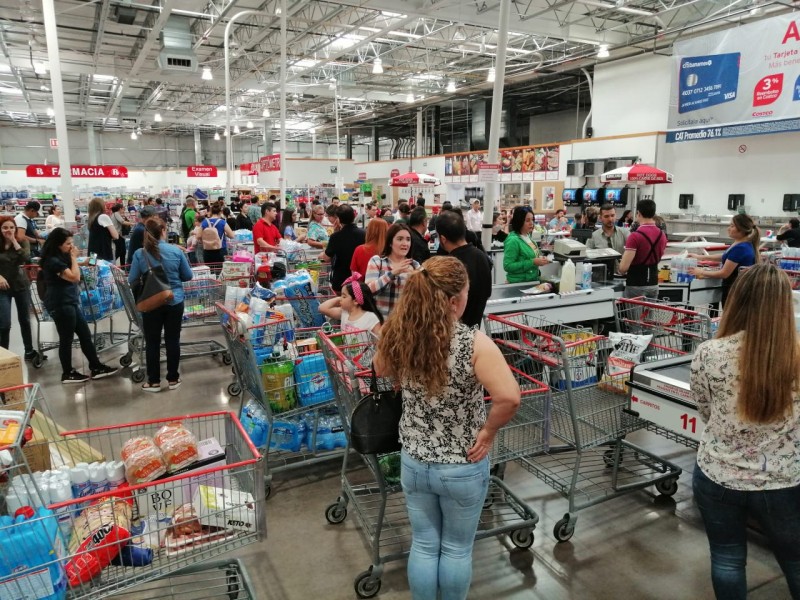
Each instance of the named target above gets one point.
<point>137,233</point>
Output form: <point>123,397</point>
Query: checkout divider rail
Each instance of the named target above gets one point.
<point>587,460</point>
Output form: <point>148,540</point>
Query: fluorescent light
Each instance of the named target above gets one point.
<point>157,118</point>
<point>221,108</point>
<point>236,129</point>
<point>295,101</point>
<point>216,135</point>
<point>4,68</point>
<point>97,77</point>
<point>40,68</point>
<point>602,51</point>
<point>410,98</point>
<point>50,112</point>
<point>332,84</point>
<point>395,15</point>
<point>265,113</point>
<point>346,40</point>
<point>305,63</point>
<point>377,66</point>
<point>490,76</point>
<point>133,135</point>
<point>451,86</point>
<point>11,91</point>
<point>249,124</point>
<point>278,11</point>
<point>207,76</point>
<point>139,131</point>
<point>225,132</point>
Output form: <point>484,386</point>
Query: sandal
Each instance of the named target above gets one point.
<point>174,385</point>
<point>151,387</point>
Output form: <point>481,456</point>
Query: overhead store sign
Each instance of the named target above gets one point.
<point>269,163</point>
<point>201,171</point>
<point>743,81</point>
<point>395,173</point>
<point>528,163</point>
<point>249,169</point>
<point>77,171</point>
<point>488,172</point>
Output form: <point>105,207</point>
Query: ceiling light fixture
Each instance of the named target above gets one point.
<point>278,11</point>
<point>295,101</point>
<point>207,76</point>
<point>157,118</point>
<point>461,34</point>
<point>451,86</point>
<point>377,66</point>
<point>133,135</point>
<point>40,68</point>
<point>410,98</point>
<point>491,75</point>
<point>602,51</point>
<point>249,124</point>
<point>236,129</point>
<point>50,112</point>
<point>265,113</point>
<point>225,132</point>
<point>216,135</point>
<point>332,84</point>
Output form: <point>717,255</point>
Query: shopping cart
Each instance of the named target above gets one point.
<point>287,401</point>
<point>379,502</point>
<point>107,541</point>
<point>593,462</point>
<point>136,346</point>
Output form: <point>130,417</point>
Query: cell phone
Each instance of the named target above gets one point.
<point>92,259</point>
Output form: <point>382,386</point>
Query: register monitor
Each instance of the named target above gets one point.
<point>569,247</point>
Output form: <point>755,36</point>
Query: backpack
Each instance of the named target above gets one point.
<point>185,231</point>
<point>210,236</point>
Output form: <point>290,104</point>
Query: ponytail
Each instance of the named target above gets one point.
<point>747,227</point>
<point>153,230</point>
<point>368,303</point>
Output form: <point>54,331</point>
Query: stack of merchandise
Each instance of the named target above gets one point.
<point>99,296</point>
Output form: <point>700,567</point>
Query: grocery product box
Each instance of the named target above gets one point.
<point>235,270</point>
<point>10,376</point>
<point>225,508</point>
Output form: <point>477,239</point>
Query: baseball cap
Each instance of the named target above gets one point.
<point>147,211</point>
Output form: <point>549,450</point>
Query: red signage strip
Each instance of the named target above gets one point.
<point>78,171</point>
<point>201,171</point>
<point>270,163</point>
<point>249,169</point>
<point>395,173</point>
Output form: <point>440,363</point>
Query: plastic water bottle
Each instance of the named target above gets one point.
<point>586,276</point>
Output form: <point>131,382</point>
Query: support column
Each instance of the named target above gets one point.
<point>418,150</point>
<point>267,135</point>
<point>349,147</point>
<point>313,142</point>
<point>282,182</point>
<point>92,144</point>
<point>437,129</point>
<point>198,149</point>
<point>51,35</point>
<point>376,145</point>
<point>493,188</point>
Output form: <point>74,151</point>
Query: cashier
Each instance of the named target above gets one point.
<point>609,235</point>
<point>742,253</point>
<point>521,256</point>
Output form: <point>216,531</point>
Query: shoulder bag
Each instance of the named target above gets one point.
<point>152,289</point>
<point>375,421</point>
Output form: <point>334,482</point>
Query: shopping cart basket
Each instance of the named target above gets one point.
<point>379,502</point>
<point>106,541</point>
<point>592,462</point>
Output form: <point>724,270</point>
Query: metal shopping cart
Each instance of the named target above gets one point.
<point>109,541</point>
<point>286,394</point>
<point>136,346</point>
<point>592,462</point>
<point>379,502</point>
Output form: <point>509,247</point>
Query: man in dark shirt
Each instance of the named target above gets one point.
<point>418,221</point>
<point>790,233</point>
<point>341,246</point>
<point>137,233</point>
<point>452,230</point>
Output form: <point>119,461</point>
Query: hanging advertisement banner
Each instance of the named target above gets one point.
<point>516,164</point>
<point>201,171</point>
<point>269,163</point>
<point>114,171</point>
<point>741,81</point>
<point>249,169</point>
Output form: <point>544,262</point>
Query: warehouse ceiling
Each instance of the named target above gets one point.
<point>128,65</point>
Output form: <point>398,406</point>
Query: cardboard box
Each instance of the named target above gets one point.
<point>10,376</point>
<point>235,270</point>
<point>224,508</point>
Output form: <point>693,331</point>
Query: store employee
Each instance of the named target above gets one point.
<point>790,233</point>
<point>609,235</point>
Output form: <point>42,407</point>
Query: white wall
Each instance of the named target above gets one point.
<point>310,173</point>
<point>556,127</point>
<point>380,172</point>
<point>631,96</point>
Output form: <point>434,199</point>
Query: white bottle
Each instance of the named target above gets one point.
<point>79,477</point>
<point>61,491</point>
<point>13,501</point>
<point>567,283</point>
<point>586,276</point>
<point>115,473</point>
<point>97,478</point>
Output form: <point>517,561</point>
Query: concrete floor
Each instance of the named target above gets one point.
<point>637,546</point>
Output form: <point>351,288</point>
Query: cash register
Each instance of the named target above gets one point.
<point>569,248</point>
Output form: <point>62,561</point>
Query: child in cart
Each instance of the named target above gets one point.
<point>355,307</point>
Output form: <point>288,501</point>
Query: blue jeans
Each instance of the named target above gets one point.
<point>22,300</point>
<point>444,503</point>
<point>725,513</point>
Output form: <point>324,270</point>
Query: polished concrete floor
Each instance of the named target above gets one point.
<point>637,546</point>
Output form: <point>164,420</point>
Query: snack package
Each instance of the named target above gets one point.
<point>143,460</point>
<point>177,445</point>
<point>628,350</point>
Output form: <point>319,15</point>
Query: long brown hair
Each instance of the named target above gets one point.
<point>96,208</point>
<point>390,233</point>
<point>376,234</point>
<point>760,304</point>
<point>153,230</point>
<point>415,341</point>
<point>3,219</point>
<point>747,227</point>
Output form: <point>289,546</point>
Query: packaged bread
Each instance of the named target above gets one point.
<point>143,460</point>
<point>177,444</point>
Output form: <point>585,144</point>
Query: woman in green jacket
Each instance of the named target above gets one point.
<point>522,257</point>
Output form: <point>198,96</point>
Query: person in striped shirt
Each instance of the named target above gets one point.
<point>388,272</point>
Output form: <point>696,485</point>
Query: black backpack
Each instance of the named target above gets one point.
<point>185,230</point>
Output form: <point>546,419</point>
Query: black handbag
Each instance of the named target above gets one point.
<point>375,421</point>
<point>152,289</point>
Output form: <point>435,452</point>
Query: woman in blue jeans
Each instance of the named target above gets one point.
<point>167,318</point>
<point>14,286</point>
<point>445,433</point>
<point>746,383</point>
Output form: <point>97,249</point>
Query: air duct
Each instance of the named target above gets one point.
<point>177,55</point>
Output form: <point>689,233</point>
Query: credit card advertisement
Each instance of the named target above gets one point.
<point>708,80</point>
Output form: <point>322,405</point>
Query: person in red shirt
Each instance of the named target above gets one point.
<point>643,251</point>
<point>373,244</point>
<point>266,236</point>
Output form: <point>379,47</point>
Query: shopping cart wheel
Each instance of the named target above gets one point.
<point>138,376</point>
<point>522,538</point>
<point>234,389</point>
<point>126,360</point>
<point>336,513</point>
<point>38,361</point>
<point>267,490</point>
<point>233,584</point>
<point>667,487</point>
<point>366,586</point>
<point>563,531</point>
<point>226,359</point>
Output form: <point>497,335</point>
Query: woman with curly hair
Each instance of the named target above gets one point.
<point>443,367</point>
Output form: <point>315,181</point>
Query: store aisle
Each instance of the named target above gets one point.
<point>635,547</point>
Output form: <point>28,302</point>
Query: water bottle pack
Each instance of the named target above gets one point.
<point>682,269</point>
<point>313,383</point>
<point>298,288</point>
<point>255,423</point>
<point>787,254</point>
<point>328,433</point>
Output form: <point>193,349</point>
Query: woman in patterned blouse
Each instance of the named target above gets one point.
<point>387,273</point>
<point>443,367</point>
<point>746,383</point>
